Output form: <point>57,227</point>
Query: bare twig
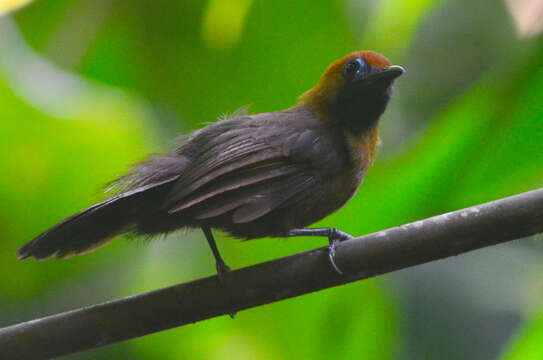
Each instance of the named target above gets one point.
<point>385,251</point>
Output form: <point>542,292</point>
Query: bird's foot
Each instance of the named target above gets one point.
<point>222,271</point>
<point>334,237</point>
<point>222,268</point>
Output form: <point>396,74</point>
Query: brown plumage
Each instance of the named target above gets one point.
<point>250,175</point>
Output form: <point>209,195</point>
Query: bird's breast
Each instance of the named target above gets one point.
<point>362,151</point>
<point>338,188</point>
<point>363,148</point>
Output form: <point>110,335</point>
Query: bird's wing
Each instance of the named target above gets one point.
<point>248,170</point>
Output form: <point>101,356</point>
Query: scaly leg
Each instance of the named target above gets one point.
<point>222,268</point>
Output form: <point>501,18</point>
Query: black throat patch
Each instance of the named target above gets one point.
<point>358,109</point>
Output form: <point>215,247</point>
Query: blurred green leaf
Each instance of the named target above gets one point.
<point>393,24</point>
<point>223,22</point>
<point>54,167</point>
<point>527,342</point>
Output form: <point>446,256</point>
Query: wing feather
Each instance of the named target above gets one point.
<point>262,204</point>
<point>240,179</point>
<point>247,170</point>
<point>181,190</point>
<point>256,200</point>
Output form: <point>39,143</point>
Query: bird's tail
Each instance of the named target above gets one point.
<point>97,225</point>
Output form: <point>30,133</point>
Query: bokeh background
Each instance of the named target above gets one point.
<point>88,87</point>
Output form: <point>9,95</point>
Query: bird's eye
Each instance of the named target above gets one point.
<point>355,68</point>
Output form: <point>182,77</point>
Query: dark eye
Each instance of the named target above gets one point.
<point>355,68</point>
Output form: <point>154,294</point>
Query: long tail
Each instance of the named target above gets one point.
<point>97,225</point>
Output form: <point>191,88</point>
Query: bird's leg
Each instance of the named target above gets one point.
<point>334,237</point>
<point>222,268</point>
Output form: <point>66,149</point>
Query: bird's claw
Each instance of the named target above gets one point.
<point>222,270</point>
<point>332,254</point>
<point>335,237</point>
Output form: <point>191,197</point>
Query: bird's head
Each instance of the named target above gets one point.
<point>354,91</point>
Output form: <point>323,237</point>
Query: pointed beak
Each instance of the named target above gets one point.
<point>389,73</point>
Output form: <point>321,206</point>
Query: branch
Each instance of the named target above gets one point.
<point>363,257</point>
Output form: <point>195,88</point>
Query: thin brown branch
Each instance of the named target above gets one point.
<point>385,251</point>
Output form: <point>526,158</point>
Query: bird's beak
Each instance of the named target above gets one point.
<point>388,73</point>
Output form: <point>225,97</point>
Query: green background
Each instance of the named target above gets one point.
<point>89,87</point>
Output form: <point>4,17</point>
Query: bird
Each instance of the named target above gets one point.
<point>251,176</point>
